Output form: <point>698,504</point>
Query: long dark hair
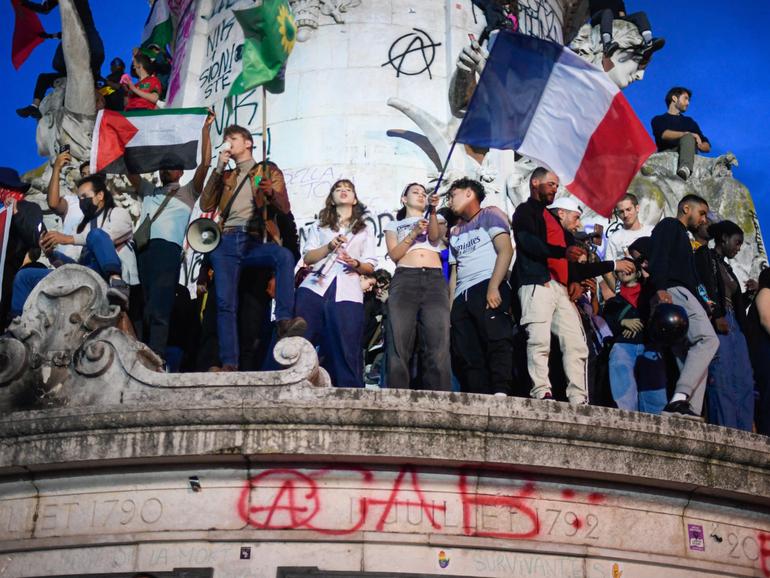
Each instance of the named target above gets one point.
<point>328,216</point>
<point>100,186</point>
<point>401,214</point>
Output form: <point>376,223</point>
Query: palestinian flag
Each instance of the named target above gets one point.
<point>143,141</point>
<point>269,35</point>
<point>159,28</point>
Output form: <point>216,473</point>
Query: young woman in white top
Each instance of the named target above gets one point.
<point>418,303</point>
<point>340,247</point>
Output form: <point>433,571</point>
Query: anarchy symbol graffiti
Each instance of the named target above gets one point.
<point>412,54</point>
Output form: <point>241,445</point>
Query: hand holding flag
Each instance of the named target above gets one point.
<point>543,101</point>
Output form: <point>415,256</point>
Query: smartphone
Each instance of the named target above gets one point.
<point>65,148</point>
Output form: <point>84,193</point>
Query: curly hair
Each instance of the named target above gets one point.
<point>328,216</point>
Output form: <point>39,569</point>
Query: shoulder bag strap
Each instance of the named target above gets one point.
<point>163,205</point>
<point>226,211</point>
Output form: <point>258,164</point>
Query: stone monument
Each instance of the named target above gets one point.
<point>109,467</point>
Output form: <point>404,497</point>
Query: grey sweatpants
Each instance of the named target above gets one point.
<point>695,356</point>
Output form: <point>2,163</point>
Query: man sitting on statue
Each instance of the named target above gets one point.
<point>248,199</point>
<point>603,12</point>
<point>675,131</point>
<point>145,93</point>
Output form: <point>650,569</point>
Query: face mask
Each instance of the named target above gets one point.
<point>88,207</point>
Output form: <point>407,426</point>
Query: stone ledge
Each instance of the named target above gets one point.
<point>395,426</point>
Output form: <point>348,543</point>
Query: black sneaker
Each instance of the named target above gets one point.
<point>294,327</point>
<point>118,293</point>
<point>610,48</point>
<point>29,110</point>
<point>680,408</point>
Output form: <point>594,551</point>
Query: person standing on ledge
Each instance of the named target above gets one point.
<point>675,131</point>
<point>675,279</point>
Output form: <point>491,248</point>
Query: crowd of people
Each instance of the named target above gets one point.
<point>661,324</point>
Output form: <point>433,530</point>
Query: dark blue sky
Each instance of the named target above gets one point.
<point>718,50</point>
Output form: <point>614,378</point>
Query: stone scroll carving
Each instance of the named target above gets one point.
<point>66,350</point>
<point>308,13</point>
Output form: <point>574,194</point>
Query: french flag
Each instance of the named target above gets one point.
<point>543,101</point>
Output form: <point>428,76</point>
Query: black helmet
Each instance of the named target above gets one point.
<point>668,324</point>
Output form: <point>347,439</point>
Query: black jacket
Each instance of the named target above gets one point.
<point>24,235</point>
<point>707,265</point>
<point>533,252</point>
<point>672,263</point>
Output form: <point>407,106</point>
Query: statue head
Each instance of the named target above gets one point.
<point>627,64</point>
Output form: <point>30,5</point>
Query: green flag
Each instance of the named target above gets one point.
<point>159,28</point>
<point>269,35</point>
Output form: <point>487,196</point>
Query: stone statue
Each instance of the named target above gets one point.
<point>69,111</point>
<point>627,64</point>
<point>659,190</point>
<point>66,350</point>
<point>307,14</point>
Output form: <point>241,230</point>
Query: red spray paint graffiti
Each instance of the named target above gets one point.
<point>288,499</point>
<point>764,553</point>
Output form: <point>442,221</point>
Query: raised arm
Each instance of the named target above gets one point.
<point>57,204</point>
<point>200,173</point>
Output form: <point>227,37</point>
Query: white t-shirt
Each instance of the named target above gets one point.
<point>361,246</point>
<point>403,227</point>
<point>69,224</point>
<point>619,241</point>
<point>118,225</point>
<point>472,249</point>
<point>171,224</point>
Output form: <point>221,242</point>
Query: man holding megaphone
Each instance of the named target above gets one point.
<point>251,198</point>
<point>159,239</point>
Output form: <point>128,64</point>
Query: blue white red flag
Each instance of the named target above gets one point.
<point>543,101</point>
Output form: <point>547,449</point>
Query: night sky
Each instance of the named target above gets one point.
<point>719,52</point>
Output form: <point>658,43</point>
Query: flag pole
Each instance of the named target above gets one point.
<point>459,128</point>
<point>429,209</point>
<point>264,124</point>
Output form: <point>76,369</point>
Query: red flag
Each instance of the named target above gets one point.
<point>26,33</point>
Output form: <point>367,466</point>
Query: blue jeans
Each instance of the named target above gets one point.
<point>633,388</point>
<point>730,386</point>
<point>99,254</point>
<point>336,328</point>
<point>238,250</point>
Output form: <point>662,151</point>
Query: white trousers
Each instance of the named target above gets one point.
<point>546,309</point>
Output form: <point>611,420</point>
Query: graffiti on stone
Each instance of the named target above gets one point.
<point>538,18</point>
<point>412,54</point>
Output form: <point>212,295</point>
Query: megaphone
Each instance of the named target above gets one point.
<point>203,235</point>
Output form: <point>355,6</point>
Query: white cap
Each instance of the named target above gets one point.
<point>567,204</point>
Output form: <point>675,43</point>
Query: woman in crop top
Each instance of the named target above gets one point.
<point>418,303</point>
